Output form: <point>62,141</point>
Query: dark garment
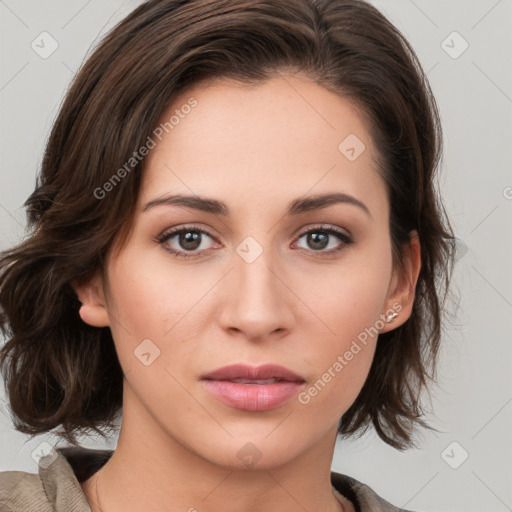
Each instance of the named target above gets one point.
<point>56,488</point>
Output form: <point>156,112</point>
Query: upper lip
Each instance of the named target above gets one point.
<point>263,372</point>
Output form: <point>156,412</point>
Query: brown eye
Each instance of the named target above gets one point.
<point>185,242</point>
<point>319,239</point>
<point>189,240</point>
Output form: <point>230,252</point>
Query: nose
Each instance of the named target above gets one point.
<point>257,301</point>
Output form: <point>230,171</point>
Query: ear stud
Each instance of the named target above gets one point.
<point>390,316</point>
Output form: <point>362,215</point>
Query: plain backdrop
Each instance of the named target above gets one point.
<point>466,47</point>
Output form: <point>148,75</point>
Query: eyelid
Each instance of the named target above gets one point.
<point>188,227</point>
<point>345,239</point>
<point>325,227</point>
<point>170,233</point>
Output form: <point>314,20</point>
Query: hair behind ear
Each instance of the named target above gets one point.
<point>57,370</point>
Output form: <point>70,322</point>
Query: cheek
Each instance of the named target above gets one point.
<point>350,297</point>
<point>151,300</point>
<point>149,295</point>
<point>340,362</point>
<point>349,303</point>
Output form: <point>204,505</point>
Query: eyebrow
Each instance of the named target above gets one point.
<point>295,207</point>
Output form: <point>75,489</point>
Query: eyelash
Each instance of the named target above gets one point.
<point>166,236</point>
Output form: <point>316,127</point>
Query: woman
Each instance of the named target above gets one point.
<point>237,242</point>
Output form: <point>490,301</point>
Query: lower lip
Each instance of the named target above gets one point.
<point>253,397</point>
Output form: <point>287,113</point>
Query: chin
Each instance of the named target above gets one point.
<point>255,452</point>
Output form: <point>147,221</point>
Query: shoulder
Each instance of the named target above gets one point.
<point>56,487</point>
<point>22,491</point>
<point>363,497</point>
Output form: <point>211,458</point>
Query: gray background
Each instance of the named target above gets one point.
<point>472,403</point>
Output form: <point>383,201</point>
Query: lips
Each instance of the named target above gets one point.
<point>251,373</point>
<point>253,388</point>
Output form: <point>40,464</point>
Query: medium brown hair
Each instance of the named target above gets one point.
<point>59,371</point>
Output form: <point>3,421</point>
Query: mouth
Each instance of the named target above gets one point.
<point>253,388</point>
<point>255,381</point>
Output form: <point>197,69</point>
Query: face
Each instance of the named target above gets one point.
<point>276,278</point>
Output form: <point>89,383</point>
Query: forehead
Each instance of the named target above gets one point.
<point>272,141</point>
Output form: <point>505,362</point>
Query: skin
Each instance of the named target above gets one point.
<point>256,149</point>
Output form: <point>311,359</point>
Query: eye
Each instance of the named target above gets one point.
<point>320,238</point>
<point>190,239</point>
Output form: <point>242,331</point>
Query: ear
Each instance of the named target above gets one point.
<point>402,289</point>
<point>90,293</point>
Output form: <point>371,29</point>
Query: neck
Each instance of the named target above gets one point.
<point>150,470</point>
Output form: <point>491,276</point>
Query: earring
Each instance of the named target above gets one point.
<point>390,316</point>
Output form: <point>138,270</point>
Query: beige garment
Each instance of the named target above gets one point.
<point>56,488</point>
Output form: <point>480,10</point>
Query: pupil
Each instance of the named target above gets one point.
<point>318,240</point>
<point>190,240</point>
